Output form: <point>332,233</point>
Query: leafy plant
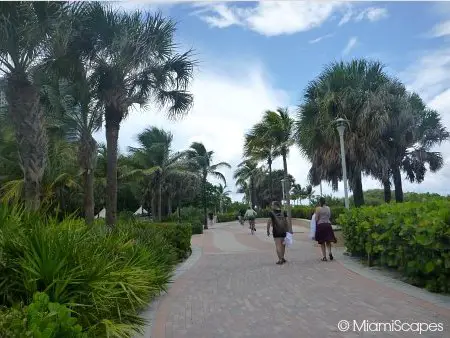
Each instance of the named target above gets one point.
<point>413,237</point>
<point>40,319</point>
<point>104,278</point>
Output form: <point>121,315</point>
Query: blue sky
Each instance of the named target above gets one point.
<point>255,56</point>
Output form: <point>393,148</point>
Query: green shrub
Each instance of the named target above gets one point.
<point>105,278</point>
<point>413,237</point>
<point>40,319</point>
<point>126,216</point>
<point>228,217</point>
<point>197,227</point>
<point>177,234</point>
<point>301,211</point>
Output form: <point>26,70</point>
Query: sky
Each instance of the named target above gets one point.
<point>255,56</point>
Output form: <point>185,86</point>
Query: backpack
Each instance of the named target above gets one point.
<point>280,226</point>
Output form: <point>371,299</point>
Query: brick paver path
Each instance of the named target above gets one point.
<point>235,290</point>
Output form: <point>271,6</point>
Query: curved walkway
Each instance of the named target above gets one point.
<point>233,289</point>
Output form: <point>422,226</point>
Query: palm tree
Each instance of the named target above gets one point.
<point>342,90</point>
<point>134,59</point>
<point>411,132</point>
<point>25,28</point>
<point>155,159</point>
<point>260,146</point>
<point>246,172</point>
<point>223,195</point>
<point>202,159</point>
<point>278,127</point>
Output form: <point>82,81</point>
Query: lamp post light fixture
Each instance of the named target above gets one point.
<point>340,126</point>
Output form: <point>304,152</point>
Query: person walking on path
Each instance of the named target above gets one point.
<point>324,232</point>
<point>280,226</point>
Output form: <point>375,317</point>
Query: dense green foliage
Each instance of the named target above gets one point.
<point>105,278</point>
<point>413,237</point>
<point>40,319</point>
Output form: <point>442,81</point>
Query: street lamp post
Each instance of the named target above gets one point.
<point>340,126</point>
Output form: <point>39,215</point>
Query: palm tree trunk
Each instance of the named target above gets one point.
<point>269,162</point>
<point>205,211</point>
<point>287,191</point>
<point>160,200</point>
<point>154,212</point>
<point>29,126</point>
<point>112,136</point>
<point>169,205</point>
<point>397,184</point>
<point>89,196</point>
<point>387,190</point>
<point>179,207</point>
<point>358,194</point>
<point>252,191</point>
<point>87,157</point>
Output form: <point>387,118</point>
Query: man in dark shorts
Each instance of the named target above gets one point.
<point>280,226</point>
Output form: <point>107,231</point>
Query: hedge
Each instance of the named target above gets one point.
<point>104,277</point>
<point>227,217</point>
<point>412,237</point>
<point>298,211</point>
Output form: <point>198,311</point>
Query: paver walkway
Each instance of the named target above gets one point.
<point>235,290</point>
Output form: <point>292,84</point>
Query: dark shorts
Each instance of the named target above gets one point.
<point>278,235</point>
<point>325,233</point>
<point>251,218</point>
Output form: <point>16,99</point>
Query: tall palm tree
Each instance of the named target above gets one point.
<point>224,194</point>
<point>134,59</point>
<point>412,130</point>
<point>278,127</point>
<point>246,172</point>
<point>71,108</point>
<point>25,28</point>
<point>154,158</point>
<point>202,159</point>
<point>342,90</point>
<point>260,146</point>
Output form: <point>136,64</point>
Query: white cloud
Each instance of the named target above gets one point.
<point>430,74</point>
<point>350,45</point>
<point>347,16</point>
<point>372,14</point>
<point>320,38</point>
<point>441,29</point>
<point>271,18</point>
<point>145,5</point>
<point>227,103</point>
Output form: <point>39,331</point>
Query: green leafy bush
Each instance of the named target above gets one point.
<point>105,278</point>
<point>301,211</point>
<point>177,234</point>
<point>228,217</point>
<point>413,237</point>
<point>197,227</point>
<point>40,319</point>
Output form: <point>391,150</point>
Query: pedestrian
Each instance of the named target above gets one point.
<point>280,226</point>
<point>324,232</point>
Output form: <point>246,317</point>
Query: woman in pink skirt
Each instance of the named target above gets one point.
<point>324,231</point>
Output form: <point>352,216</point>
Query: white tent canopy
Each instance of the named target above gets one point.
<point>140,211</point>
<point>101,214</point>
